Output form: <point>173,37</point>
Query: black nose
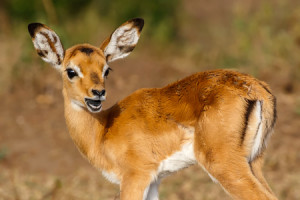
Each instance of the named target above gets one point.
<point>98,93</point>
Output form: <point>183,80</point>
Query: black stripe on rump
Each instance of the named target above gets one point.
<point>274,111</point>
<point>248,110</point>
<point>273,99</point>
<point>263,86</point>
<point>269,126</point>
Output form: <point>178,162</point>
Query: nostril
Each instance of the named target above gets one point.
<point>98,93</point>
<point>102,93</point>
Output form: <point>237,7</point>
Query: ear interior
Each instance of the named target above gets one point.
<point>123,40</point>
<point>47,44</point>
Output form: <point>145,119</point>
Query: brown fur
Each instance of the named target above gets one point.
<point>131,138</point>
<point>136,134</point>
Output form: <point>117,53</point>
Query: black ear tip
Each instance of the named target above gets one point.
<point>138,22</point>
<point>33,27</point>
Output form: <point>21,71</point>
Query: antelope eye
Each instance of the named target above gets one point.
<point>71,73</point>
<point>107,72</point>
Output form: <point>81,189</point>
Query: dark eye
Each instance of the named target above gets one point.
<point>107,72</point>
<point>71,73</point>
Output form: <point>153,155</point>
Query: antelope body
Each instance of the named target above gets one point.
<point>218,119</point>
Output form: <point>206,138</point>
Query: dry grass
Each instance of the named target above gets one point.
<point>39,161</point>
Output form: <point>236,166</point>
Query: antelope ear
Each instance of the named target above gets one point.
<point>47,44</point>
<point>123,40</point>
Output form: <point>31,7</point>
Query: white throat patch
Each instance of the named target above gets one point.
<point>76,105</point>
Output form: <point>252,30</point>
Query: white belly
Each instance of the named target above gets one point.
<point>110,176</point>
<point>177,161</point>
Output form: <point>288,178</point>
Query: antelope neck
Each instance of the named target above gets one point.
<point>85,129</point>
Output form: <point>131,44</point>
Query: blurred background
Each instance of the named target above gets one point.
<point>38,160</point>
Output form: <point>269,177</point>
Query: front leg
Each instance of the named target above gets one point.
<point>133,186</point>
<point>152,192</point>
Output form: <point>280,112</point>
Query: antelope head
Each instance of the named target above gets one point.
<point>84,67</point>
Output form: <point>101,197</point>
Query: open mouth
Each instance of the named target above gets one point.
<point>94,105</point>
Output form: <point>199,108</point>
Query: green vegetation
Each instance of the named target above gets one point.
<point>161,16</point>
<point>257,38</point>
<point>31,10</point>
<point>180,37</point>
<point>77,21</point>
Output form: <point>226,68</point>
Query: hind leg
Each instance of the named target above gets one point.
<point>226,162</point>
<point>256,167</point>
<point>218,150</point>
<point>235,176</point>
<point>220,146</point>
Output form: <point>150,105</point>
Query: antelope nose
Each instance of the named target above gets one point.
<point>98,93</point>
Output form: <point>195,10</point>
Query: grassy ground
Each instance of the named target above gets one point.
<point>37,157</point>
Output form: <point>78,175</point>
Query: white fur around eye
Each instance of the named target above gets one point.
<point>76,69</point>
<point>104,70</point>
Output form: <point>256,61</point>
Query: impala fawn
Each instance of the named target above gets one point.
<point>218,119</point>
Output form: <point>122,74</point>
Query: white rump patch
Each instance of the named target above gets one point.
<point>257,141</point>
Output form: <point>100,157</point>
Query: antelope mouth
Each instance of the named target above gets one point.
<point>93,105</point>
